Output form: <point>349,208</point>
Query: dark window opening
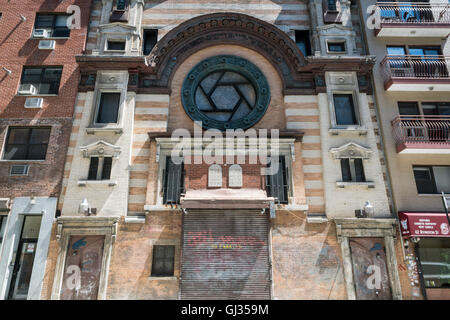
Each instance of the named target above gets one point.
<point>409,108</point>
<point>173,182</point>
<point>116,45</point>
<point>46,80</point>
<point>277,184</point>
<point>55,24</point>
<point>93,168</point>
<point>163,261</point>
<point>26,144</point>
<point>352,170</point>
<point>150,40</point>
<point>345,169</point>
<point>432,179</point>
<point>331,5</point>
<point>106,170</point>
<point>121,4</point>
<point>100,168</point>
<point>344,109</point>
<point>336,46</point>
<point>3,220</point>
<point>108,110</point>
<point>302,40</point>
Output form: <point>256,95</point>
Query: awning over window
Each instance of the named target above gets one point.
<point>423,224</point>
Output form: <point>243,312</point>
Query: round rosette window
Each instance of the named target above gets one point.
<point>225,92</point>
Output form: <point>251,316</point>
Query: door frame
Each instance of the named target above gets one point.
<point>367,228</point>
<point>17,258</point>
<point>71,226</point>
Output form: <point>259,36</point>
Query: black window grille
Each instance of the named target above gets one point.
<point>163,261</point>
<point>173,182</point>
<point>27,144</point>
<point>278,184</point>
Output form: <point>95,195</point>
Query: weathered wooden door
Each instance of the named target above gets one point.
<point>370,272</point>
<point>83,268</point>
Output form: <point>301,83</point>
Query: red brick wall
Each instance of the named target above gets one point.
<point>197,175</point>
<point>18,50</point>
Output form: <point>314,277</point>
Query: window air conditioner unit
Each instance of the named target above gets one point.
<point>47,44</point>
<point>5,204</point>
<point>19,170</point>
<point>40,33</point>
<point>27,89</point>
<point>33,103</point>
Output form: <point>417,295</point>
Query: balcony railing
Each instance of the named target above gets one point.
<point>414,13</point>
<point>428,132</point>
<point>415,67</point>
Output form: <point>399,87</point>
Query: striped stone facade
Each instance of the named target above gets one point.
<point>129,204</point>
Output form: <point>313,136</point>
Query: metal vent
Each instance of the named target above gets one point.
<point>19,170</point>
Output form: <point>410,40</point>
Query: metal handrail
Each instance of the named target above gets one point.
<point>415,66</point>
<point>416,13</point>
<point>421,129</point>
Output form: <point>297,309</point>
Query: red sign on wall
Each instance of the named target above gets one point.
<point>420,224</point>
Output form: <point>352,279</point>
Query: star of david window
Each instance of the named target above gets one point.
<point>225,92</point>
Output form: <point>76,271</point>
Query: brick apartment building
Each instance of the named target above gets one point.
<point>38,87</point>
<point>137,224</point>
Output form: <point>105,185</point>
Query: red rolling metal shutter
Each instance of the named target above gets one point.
<point>225,255</point>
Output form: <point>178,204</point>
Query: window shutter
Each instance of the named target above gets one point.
<point>278,182</point>
<point>173,182</point>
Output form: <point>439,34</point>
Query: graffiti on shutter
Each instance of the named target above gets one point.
<point>369,269</point>
<point>82,268</point>
<point>225,255</point>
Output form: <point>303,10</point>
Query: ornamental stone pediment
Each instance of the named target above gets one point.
<point>100,149</point>
<point>351,150</point>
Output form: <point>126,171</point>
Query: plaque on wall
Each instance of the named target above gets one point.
<point>235,176</point>
<point>215,176</point>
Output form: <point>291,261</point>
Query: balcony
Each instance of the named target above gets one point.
<point>420,19</point>
<point>422,134</point>
<point>415,73</point>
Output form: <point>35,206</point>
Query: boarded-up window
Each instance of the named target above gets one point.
<point>83,268</point>
<point>163,261</point>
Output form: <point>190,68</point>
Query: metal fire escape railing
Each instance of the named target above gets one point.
<point>415,67</point>
<point>431,130</point>
<point>416,13</point>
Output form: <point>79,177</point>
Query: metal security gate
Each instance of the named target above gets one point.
<point>225,255</point>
